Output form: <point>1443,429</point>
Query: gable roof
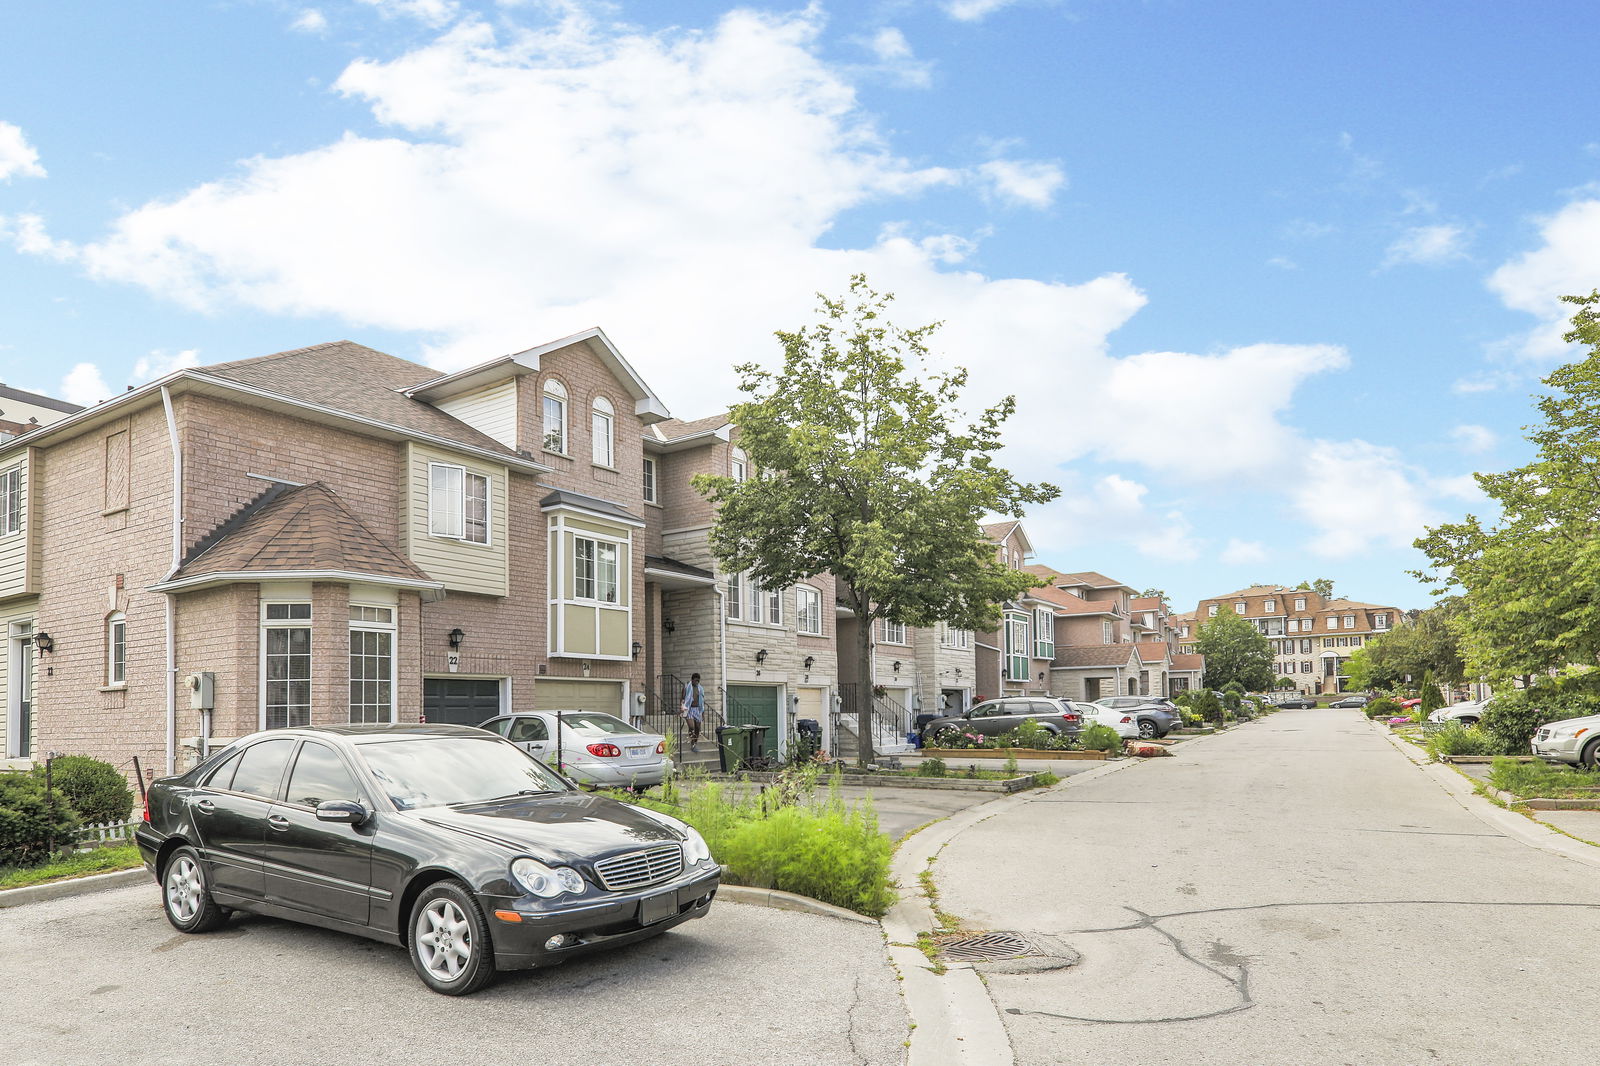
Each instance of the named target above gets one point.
<point>1096,655</point>
<point>299,530</point>
<point>1087,578</point>
<point>49,403</point>
<point>1188,662</point>
<point>999,531</point>
<point>1152,651</point>
<point>1146,603</point>
<point>1067,603</point>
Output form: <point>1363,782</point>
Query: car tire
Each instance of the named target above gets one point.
<point>186,895</point>
<point>1147,729</point>
<point>1590,759</point>
<point>449,940</point>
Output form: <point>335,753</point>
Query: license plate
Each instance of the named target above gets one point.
<point>637,751</point>
<point>653,909</point>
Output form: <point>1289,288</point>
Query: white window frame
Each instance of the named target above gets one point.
<point>1213,611</point>
<point>1300,603</point>
<point>1238,608</point>
<point>894,632</point>
<point>11,501</point>
<point>602,433</point>
<point>554,403</point>
<point>808,605</point>
<point>650,493</point>
<point>449,504</point>
<point>378,618</point>
<point>1380,620</point>
<point>736,596</point>
<point>1270,607</point>
<point>951,637</point>
<point>563,555</point>
<point>738,465</point>
<point>294,619</point>
<point>596,578</point>
<point>1017,647</point>
<point>1106,635</point>
<point>1349,621</point>
<point>116,648</point>
<point>1333,622</point>
<point>1044,634</point>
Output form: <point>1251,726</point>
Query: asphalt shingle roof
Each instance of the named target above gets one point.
<point>1095,655</point>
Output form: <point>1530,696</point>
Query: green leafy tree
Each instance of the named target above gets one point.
<point>1159,594</point>
<point>1530,579</point>
<point>1284,682</point>
<point>1427,642</point>
<point>866,470</point>
<point>1234,651</point>
<point>1432,698</point>
<point>1322,586</point>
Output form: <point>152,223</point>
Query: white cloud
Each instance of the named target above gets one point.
<point>895,58</point>
<point>1567,263</point>
<point>1172,540</point>
<point>1427,246</point>
<point>1239,552</point>
<point>1461,487</point>
<point>310,21</point>
<point>84,385</point>
<point>1283,263</point>
<point>974,10</point>
<point>1358,495</point>
<point>159,364</point>
<point>1473,439</point>
<point>27,234</point>
<point>18,158</point>
<point>1023,183</point>
<point>434,13</point>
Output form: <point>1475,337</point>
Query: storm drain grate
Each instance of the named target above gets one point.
<point>987,946</point>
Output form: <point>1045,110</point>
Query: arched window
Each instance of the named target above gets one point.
<point>600,421</point>
<point>555,416</point>
<point>738,466</point>
<point>116,648</point>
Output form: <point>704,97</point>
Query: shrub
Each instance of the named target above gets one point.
<point>1206,705</point>
<point>29,819</point>
<point>932,768</point>
<point>1512,716</point>
<point>1534,779</point>
<point>1097,737</point>
<point>1383,707</point>
<point>1190,718</point>
<point>1457,739</point>
<point>93,787</point>
<point>1031,734</point>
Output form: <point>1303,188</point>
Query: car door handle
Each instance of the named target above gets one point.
<point>278,822</point>
<point>205,806</point>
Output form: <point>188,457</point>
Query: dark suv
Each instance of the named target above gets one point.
<point>993,718</point>
<point>1157,716</point>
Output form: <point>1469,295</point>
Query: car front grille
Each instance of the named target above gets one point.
<point>1544,734</point>
<point>640,868</point>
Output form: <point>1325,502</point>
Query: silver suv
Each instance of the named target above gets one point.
<point>1575,741</point>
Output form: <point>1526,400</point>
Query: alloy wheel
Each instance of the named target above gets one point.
<point>444,939</point>
<point>184,888</point>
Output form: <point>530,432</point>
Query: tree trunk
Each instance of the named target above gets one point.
<point>865,750</point>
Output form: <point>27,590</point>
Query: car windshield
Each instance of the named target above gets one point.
<point>436,771</point>
<point>594,724</point>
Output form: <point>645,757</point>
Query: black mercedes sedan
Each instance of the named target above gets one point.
<point>446,840</point>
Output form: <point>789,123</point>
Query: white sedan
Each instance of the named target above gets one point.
<point>1466,713</point>
<point>595,748</point>
<point>1122,721</point>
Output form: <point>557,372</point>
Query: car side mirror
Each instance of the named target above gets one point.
<point>341,811</point>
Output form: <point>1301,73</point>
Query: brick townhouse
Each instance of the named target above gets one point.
<point>325,535</point>
<point>1311,635</point>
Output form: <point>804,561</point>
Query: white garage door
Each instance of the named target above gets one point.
<point>579,696</point>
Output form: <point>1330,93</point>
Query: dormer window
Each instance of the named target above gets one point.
<point>555,416</point>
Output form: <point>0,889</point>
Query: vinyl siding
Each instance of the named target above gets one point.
<point>17,560</point>
<point>462,567</point>
<point>492,410</point>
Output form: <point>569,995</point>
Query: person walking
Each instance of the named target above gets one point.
<point>694,709</point>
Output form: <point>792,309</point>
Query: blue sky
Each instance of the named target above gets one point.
<point>1270,281</point>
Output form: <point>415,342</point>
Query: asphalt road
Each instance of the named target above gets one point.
<point>104,979</point>
<point>1295,891</point>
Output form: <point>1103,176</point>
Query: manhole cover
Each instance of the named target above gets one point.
<point>988,946</point>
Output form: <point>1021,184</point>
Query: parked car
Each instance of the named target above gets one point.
<point>445,840</point>
<point>1124,722</point>
<point>1352,700</point>
<point>1574,741</point>
<point>1466,713</point>
<point>993,718</point>
<point>1411,704</point>
<point>1156,716</point>
<point>1296,702</point>
<point>596,748</point>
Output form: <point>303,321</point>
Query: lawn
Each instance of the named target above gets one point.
<point>98,861</point>
<point>1536,780</point>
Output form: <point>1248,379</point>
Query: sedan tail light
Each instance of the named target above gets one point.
<point>661,748</point>
<point>1071,718</point>
<point>1126,719</point>
<point>605,751</point>
<point>147,806</point>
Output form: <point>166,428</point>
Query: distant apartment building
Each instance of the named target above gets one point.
<point>22,412</point>
<point>1311,635</point>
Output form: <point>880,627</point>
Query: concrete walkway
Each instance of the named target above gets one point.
<point>1297,890</point>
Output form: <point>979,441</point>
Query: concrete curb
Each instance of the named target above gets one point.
<point>947,784</point>
<point>77,886</point>
<point>1533,833</point>
<point>789,901</point>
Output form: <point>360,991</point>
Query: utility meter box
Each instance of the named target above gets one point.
<point>202,690</point>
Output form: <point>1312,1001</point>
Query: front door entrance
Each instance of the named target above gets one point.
<point>755,705</point>
<point>19,698</point>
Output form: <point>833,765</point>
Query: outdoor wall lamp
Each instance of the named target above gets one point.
<point>1041,675</point>
<point>810,661</point>
<point>761,656</point>
<point>455,638</point>
<point>896,666</point>
<point>637,648</point>
<point>958,671</point>
<point>668,625</point>
<point>44,642</point>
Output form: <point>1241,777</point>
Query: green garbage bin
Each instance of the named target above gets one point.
<point>733,747</point>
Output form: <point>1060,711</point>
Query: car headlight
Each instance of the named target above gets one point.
<point>546,882</point>
<point>695,849</point>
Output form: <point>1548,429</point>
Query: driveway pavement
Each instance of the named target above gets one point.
<point>103,979</point>
<point>1293,891</point>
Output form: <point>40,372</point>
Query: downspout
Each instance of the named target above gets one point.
<point>177,559</point>
<point>722,648</point>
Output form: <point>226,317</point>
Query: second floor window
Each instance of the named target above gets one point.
<point>555,416</point>
<point>1300,603</point>
<point>954,638</point>
<point>650,481</point>
<point>808,609</point>
<point>894,632</point>
<point>738,466</point>
<point>1212,612</point>
<point>1106,634</point>
<point>594,570</point>
<point>1016,647</point>
<point>458,503</point>
<point>1271,606</point>
<point>600,421</point>
<point>1349,621</point>
<point>1238,608</point>
<point>1044,635</point>
<point>1380,621</point>
<point>11,501</point>
<point>116,649</point>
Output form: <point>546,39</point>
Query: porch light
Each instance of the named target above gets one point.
<point>637,648</point>
<point>896,666</point>
<point>455,638</point>
<point>667,624</point>
<point>761,656</point>
<point>44,642</point>
<point>810,661</point>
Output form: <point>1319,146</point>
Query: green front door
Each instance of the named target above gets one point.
<point>755,705</point>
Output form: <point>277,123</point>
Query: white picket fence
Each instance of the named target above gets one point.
<point>103,832</point>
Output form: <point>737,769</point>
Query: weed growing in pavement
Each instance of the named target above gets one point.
<point>1011,763</point>
<point>1457,739</point>
<point>932,768</point>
